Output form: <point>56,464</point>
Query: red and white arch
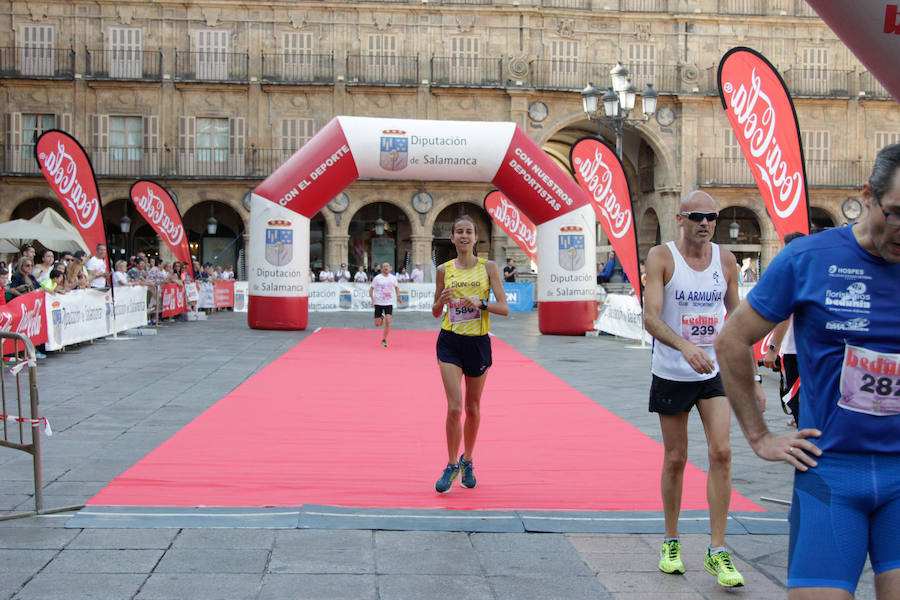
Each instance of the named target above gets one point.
<point>348,148</point>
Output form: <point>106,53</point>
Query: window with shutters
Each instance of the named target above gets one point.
<point>732,148</point>
<point>298,56</point>
<point>125,139</point>
<point>381,60</point>
<point>642,64</point>
<point>36,54</point>
<point>211,54</point>
<point>817,155</point>
<point>295,133</point>
<point>124,53</point>
<point>464,59</point>
<point>814,69</point>
<point>564,65</point>
<point>33,125</point>
<point>885,138</point>
<point>212,143</point>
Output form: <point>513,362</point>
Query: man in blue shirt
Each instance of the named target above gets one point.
<point>843,287</point>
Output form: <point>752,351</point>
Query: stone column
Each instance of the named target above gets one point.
<point>336,249</point>
<point>421,252</point>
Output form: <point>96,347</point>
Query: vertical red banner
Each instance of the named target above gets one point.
<point>600,173</point>
<point>762,116</point>
<point>159,210</point>
<point>70,174</point>
<point>513,222</point>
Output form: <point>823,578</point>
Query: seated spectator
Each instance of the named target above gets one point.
<point>22,280</point>
<point>42,269</point>
<point>120,275</point>
<point>360,276</point>
<point>54,282</point>
<point>402,276</point>
<point>74,277</point>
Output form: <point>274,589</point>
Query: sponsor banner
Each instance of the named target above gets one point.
<point>157,207</point>
<point>279,254</point>
<point>173,301</point>
<point>191,293</point>
<point>25,315</point>
<point>528,173</point>
<point>68,170</point>
<point>762,116</point>
<point>355,297</point>
<point>601,175</point>
<point>621,315</point>
<point>206,297</point>
<point>83,315</point>
<point>519,295</point>
<point>240,296</point>
<point>427,150</point>
<point>567,257</point>
<point>872,31</point>
<point>313,175</point>
<point>223,294</point>
<point>513,222</point>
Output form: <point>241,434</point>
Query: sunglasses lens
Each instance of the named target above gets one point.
<point>699,216</point>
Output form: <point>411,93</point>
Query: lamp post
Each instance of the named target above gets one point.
<point>618,102</point>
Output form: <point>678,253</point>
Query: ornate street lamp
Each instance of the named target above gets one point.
<point>211,224</point>
<point>618,102</point>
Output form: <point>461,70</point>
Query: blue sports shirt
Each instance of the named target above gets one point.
<point>839,295</point>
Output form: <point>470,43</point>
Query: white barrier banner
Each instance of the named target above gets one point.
<point>241,289</point>
<point>83,315</point>
<point>355,297</point>
<point>191,293</point>
<point>621,315</point>
<point>206,298</point>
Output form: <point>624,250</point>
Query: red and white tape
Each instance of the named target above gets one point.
<point>34,422</point>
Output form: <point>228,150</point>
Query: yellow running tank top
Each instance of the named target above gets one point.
<point>467,283</point>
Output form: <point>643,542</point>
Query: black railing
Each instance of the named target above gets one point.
<point>226,67</point>
<point>124,64</point>
<point>466,71</point>
<point>298,69</point>
<point>382,69</point>
<point>37,63</point>
<point>872,87</point>
<point>726,172</point>
<point>813,81</point>
<point>576,4</point>
<point>567,74</point>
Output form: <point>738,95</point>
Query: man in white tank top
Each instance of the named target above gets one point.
<point>690,284</point>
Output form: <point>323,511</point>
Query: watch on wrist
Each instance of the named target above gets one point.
<point>483,305</point>
<point>773,347</point>
<point>757,378</point>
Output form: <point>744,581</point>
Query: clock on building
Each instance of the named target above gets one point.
<point>851,209</point>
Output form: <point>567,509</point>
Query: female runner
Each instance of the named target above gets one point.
<point>463,346</point>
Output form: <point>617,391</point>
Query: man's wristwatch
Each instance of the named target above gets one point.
<point>483,305</point>
<point>773,347</point>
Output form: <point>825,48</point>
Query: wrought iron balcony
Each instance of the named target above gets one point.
<point>124,65</point>
<point>466,72</point>
<point>37,63</point>
<point>298,69</point>
<point>212,66</point>
<point>727,172</point>
<point>382,69</point>
<point>872,87</point>
<point>576,4</point>
<point>813,81</point>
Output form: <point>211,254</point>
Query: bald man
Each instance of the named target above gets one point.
<point>690,285</point>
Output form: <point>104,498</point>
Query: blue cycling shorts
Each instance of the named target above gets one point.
<point>844,508</point>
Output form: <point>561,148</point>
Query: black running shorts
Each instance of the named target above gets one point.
<point>673,397</point>
<point>471,353</point>
<point>380,310</point>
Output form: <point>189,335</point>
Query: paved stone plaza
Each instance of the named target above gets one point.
<point>113,401</point>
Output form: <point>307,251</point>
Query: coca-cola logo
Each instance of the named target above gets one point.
<point>62,172</point>
<point>755,124</point>
<point>509,217</point>
<point>29,322</point>
<point>153,208</point>
<point>598,178</point>
<point>173,298</point>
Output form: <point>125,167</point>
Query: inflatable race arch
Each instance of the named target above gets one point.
<point>348,148</point>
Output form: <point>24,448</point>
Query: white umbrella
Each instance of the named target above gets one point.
<point>13,234</point>
<point>51,218</point>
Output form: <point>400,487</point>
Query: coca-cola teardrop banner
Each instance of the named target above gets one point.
<point>67,168</point>
<point>512,221</point>
<point>601,175</point>
<point>762,116</point>
<point>159,210</point>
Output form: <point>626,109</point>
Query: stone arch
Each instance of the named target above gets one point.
<point>649,232</point>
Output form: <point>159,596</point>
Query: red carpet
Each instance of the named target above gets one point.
<point>339,420</point>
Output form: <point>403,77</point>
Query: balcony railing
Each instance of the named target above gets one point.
<point>37,63</point>
<point>872,87</point>
<point>812,81</point>
<point>726,172</point>
<point>576,4</point>
<point>298,69</point>
<point>567,74</point>
<point>124,64</point>
<point>224,67</point>
<point>382,69</point>
<point>466,72</point>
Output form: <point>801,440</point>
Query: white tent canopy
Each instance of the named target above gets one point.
<point>51,218</point>
<point>55,235</point>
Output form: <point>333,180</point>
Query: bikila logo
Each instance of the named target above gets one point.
<point>279,243</point>
<point>716,276</point>
<point>394,150</point>
<point>857,324</point>
<point>571,248</point>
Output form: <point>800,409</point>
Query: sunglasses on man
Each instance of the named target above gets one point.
<point>698,217</point>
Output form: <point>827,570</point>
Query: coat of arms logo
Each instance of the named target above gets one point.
<point>571,247</point>
<point>279,242</point>
<point>394,150</point>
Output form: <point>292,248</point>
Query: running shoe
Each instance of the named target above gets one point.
<point>451,472</point>
<point>720,565</point>
<point>384,343</point>
<point>468,474</point>
<point>38,354</point>
<point>670,557</point>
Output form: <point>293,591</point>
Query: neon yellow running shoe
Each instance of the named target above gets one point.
<point>670,557</point>
<point>720,565</point>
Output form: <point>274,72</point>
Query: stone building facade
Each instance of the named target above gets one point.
<point>209,97</point>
